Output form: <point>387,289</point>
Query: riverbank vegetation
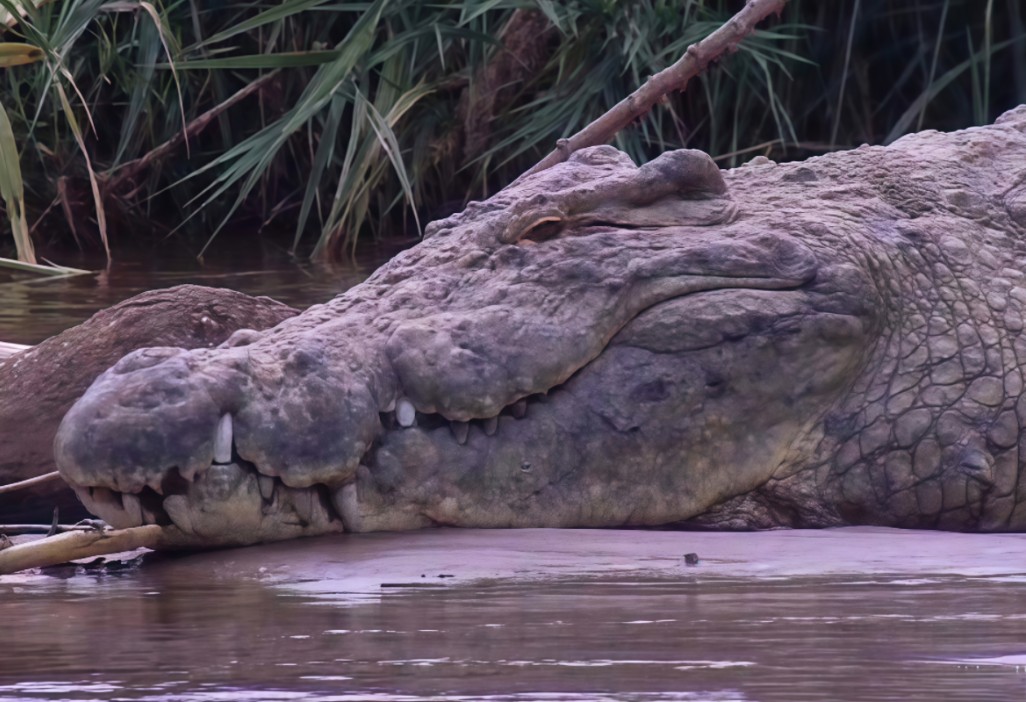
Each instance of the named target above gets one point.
<point>320,124</point>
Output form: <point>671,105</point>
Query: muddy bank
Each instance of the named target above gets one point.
<point>364,563</point>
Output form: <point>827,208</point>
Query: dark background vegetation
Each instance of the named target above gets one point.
<point>359,120</point>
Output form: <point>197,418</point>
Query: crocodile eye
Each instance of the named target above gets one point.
<point>542,230</point>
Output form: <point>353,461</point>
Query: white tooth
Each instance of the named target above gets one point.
<point>491,425</point>
<point>106,505</point>
<point>303,503</point>
<point>405,414</point>
<point>178,509</point>
<point>347,505</point>
<point>266,483</point>
<point>223,440</point>
<point>390,407</point>
<point>156,484</point>
<point>132,507</point>
<point>519,409</point>
<point>460,431</point>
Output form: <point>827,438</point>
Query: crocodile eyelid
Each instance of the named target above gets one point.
<point>542,229</point>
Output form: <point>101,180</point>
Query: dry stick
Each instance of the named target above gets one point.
<point>30,482</point>
<point>131,169</point>
<point>73,545</point>
<point>676,77</point>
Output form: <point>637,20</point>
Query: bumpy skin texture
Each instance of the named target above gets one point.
<point>38,386</point>
<point>832,342</point>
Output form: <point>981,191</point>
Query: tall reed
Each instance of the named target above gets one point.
<point>322,123</point>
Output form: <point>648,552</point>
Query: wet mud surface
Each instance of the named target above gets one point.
<point>847,614</point>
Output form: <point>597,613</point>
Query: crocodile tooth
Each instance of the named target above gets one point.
<point>266,484</point>
<point>223,440</point>
<point>149,516</point>
<point>491,425</point>
<point>405,414</point>
<point>105,504</point>
<point>519,409</point>
<point>460,430</point>
<point>390,407</point>
<point>309,507</point>
<point>133,508</point>
<point>180,512</point>
<point>156,483</point>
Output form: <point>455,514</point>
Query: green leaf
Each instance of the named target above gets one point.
<point>13,191</point>
<point>18,54</point>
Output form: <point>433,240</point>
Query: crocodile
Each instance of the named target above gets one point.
<point>827,342</point>
<point>38,385</point>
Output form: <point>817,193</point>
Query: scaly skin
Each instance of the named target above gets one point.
<point>821,343</point>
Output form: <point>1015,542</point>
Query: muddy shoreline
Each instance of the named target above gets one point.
<point>364,563</point>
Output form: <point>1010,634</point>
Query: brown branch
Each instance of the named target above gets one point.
<point>676,77</point>
<point>73,545</point>
<point>130,170</point>
<point>30,482</point>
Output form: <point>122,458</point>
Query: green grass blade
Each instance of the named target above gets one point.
<point>101,214</point>
<point>290,59</point>
<point>13,191</point>
<point>903,123</point>
<point>281,11</point>
<point>18,54</point>
<point>325,152</point>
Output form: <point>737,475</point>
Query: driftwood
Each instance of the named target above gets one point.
<point>73,545</point>
<point>693,62</point>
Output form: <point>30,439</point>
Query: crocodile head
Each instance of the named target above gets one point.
<point>600,344</point>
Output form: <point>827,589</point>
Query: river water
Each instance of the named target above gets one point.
<point>33,308</point>
<point>532,615</point>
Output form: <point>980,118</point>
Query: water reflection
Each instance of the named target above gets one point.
<point>33,308</point>
<point>159,634</point>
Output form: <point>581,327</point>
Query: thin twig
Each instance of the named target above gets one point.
<point>676,77</point>
<point>74,545</point>
<point>805,145</point>
<point>30,482</point>
<point>23,529</point>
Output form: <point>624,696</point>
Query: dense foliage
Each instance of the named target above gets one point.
<point>334,120</point>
